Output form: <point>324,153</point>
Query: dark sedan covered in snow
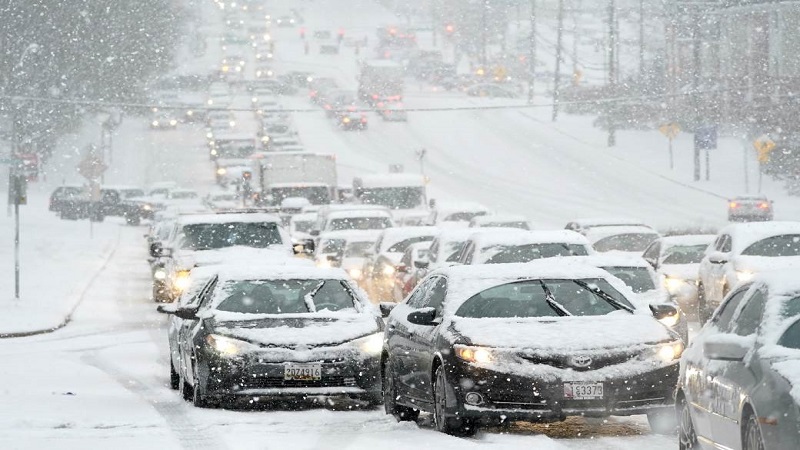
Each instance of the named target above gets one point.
<point>536,342</point>
<point>276,332</point>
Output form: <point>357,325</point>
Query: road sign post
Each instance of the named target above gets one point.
<point>670,130</point>
<point>17,195</point>
<point>705,138</point>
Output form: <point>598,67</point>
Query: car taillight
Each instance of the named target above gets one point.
<point>733,204</point>
<point>763,205</point>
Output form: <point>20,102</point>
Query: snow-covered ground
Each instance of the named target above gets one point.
<point>102,381</point>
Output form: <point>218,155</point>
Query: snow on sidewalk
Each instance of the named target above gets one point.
<point>58,258</point>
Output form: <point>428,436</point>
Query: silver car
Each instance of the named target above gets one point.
<point>740,377</point>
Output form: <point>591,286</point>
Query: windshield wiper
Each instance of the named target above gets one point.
<point>309,298</point>
<point>604,295</point>
<point>551,300</point>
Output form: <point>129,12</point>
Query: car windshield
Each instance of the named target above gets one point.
<point>684,254</point>
<point>284,296</point>
<point>131,193</point>
<point>393,198</point>
<point>784,245</point>
<point>545,298</point>
<point>317,195</point>
<point>177,195</point>
<point>791,337</point>
<point>358,249</point>
<point>332,246</point>
<point>360,223</point>
<point>636,278</point>
<point>303,226</point>
<point>452,250</point>
<point>501,254</point>
<point>401,246</point>
<point>464,216</point>
<point>209,236</point>
<point>628,242</point>
<point>520,225</point>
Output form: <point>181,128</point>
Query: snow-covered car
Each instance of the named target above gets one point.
<point>625,239</point>
<point>738,253</point>
<point>381,267</point>
<point>164,120</point>
<point>583,225</point>
<point>455,214</point>
<point>231,171</point>
<point>750,208</point>
<point>351,119</point>
<point>285,21</point>
<point>739,378</point>
<point>501,221</point>
<point>359,247</point>
<point>279,331</point>
<point>649,292</point>
<point>300,226</point>
<point>357,219</point>
<point>410,270</point>
<point>333,246</point>
<point>677,260</point>
<point>470,342</point>
<point>393,112</point>
<point>503,245</point>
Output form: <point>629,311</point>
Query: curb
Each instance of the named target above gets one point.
<point>74,308</point>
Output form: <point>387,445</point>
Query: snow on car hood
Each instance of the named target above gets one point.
<point>564,334</point>
<point>686,272</point>
<point>766,263</point>
<point>296,331</point>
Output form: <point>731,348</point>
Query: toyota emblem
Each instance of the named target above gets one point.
<point>580,361</point>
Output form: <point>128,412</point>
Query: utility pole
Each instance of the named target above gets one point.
<point>696,84</point>
<point>612,69</point>
<point>484,25</point>
<point>641,39</point>
<point>532,53</point>
<point>557,75</point>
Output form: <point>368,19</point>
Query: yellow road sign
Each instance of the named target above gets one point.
<point>764,146</point>
<point>670,129</point>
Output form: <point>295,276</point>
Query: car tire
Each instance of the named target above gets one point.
<point>400,412</point>
<point>663,422</point>
<point>450,425</point>
<point>199,397</point>
<point>185,389</point>
<point>174,378</point>
<point>687,438</point>
<point>751,434</point>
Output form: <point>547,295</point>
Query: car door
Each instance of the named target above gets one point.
<point>399,342</point>
<point>188,329</point>
<point>423,339</point>
<point>652,254</point>
<point>699,372</point>
<point>737,378</point>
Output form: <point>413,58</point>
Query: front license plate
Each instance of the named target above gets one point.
<point>302,372</point>
<point>583,391</point>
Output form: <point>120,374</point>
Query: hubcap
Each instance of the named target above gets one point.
<point>439,399</point>
<point>753,437</point>
<point>388,390</point>
<point>687,437</point>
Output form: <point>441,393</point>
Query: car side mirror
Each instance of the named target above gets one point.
<point>166,309</point>
<point>156,249</point>
<point>663,310</point>
<point>420,264</point>
<point>726,347</point>
<point>424,316</point>
<point>718,258</point>
<point>386,308</point>
<point>401,268</point>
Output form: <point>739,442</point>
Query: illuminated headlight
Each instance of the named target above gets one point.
<point>267,37</point>
<point>210,102</point>
<point>238,68</point>
<point>222,171</point>
<point>355,273</point>
<point>265,139</point>
<point>371,345</point>
<point>173,122</point>
<point>388,270</point>
<point>155,123</point>
<point>210,135</point>
<point>225,68</point>
<point>671,321</point>
<point>471,354</point>
<point>147,207</point>
<point>190,113</point>
<point>233,123</point>
<point>674,285</point>
<point>346,120</point>
<point>669,352</point>
<point>744,275</point>
<point>241,63</point>
<point>226,346</point>
<point>324,264</point>
<point>258,73</point>
<point>160,274</point>
<point>269,72</point>
<point>182,280</point>
<point>214,152</point>
<point>255,99</point>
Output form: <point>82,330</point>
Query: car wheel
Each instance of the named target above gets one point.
<point>663,422</point>
<point>400,412</point>
<point>199,397</point>
<point>185,389</point>
<point>687,439</point>
<point>174,378</point>
<point>449,425</point>
<point>751,435</point>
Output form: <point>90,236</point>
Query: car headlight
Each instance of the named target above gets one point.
<point>346,120</point>
<point>173,122</point>
<point>232,123</point>
<point>214,152</point>
<point>147,207</point>
<point>671,321</point>
<point>155,123</point>
<point>371,345</point>
<point>355,273</point>
<point>210,135</point>
<point>744,275</point>
<point>181,280</point>
<point>190,113</point>
<point>324,263</point>
<point>388,270</point>
<point>473,354</point>
<point>222,171</point>
<point>674,284</point>
<point>226,346</point>
<point>669,352</point>
<point>160,274</point>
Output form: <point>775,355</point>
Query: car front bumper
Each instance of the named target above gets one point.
<point>513,397</point>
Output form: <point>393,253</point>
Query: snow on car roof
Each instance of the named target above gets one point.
<point>304,217</point>
<point>613,260</point>
<point>358,213</point>
<point>688,239</point>
<point>499,218</point>
<point>392,236</point>
<point>352,235</point>
<point>488,237</point>
<point>297,184</point>
<point>464,281</point>
<point>608,221</point>
<point>389,180</point>
<point>594,234</point>
<point>445,208</point>
<point>192,219</point>
<point>745,234</point>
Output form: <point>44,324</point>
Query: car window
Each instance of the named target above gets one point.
<point>652,252</point>
<point>749,319</point>
<point>403,245</point>
<point>468,253</point>
<point>417,298</point>
<point>627,242</point>
<point>791,337</point>
<point>284,296</point>
<point>436,295</point>
<point>434,250</point>
<point>784,245</point>
<point>498,254</point>
<point>725,245</point>
<point>684,254</point>
<point>406,260</point>
<point>636,278</point>
<point>725,314</point>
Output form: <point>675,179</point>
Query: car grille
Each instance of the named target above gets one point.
<point>279,382</point>
<point>564,361</point>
